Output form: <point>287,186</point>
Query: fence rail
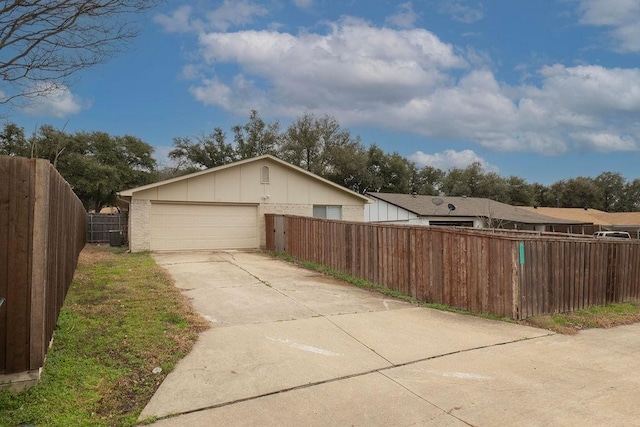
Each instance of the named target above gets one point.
<point>99,227</point>
<point>507,274</point>
<point>42,230</point>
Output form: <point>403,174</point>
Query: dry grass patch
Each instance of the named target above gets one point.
<point>592,317</point>
<point>122,318</point>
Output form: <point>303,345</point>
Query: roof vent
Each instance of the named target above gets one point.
<point>451,207</point>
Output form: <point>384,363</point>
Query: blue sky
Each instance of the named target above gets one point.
<point>544,90</point>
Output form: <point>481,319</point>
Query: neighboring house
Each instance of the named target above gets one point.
<point>623,221</point>
<point>224,207</point>
<point>593,216</point>
<point>455,211</point>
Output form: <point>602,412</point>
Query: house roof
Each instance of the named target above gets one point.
<point>624,218</point>
<point>592,215</point>
<point>438,206</point>
<point>129,193</point>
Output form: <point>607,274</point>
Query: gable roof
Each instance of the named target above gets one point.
<point>438,206</point>
<point>592,215</point>
<point>129,193</point>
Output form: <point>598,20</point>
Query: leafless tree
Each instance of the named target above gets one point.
<point>43,42</point>
<point>491,221</point>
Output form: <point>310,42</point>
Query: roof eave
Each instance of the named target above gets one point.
<point>130,192</point>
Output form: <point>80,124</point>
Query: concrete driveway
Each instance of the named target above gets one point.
<point>291,347</point>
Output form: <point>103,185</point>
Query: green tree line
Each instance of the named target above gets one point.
<point>320,145</point>
<point>95,164</point>
<point>98,165</point>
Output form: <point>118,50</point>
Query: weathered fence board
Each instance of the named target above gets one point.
<point>510,274</point>
<point>17,268</point>
<point>4,255</point>
<point>99,227</point>
<point>42,230</point>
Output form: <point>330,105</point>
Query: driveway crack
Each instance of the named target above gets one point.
<point>315,312</point>
<point>380,371</point>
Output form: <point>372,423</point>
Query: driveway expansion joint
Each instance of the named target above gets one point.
<point>356,375</point>
<point>258,384</point>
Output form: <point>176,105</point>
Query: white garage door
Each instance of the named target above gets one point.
<point>191,226</point>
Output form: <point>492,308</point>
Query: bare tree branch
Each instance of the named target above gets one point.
<point>49,40</point>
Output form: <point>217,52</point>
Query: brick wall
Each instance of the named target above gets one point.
<point>353,213</point>
<point>139,227</point>
<point>280,209</point>
<point>349,213</point>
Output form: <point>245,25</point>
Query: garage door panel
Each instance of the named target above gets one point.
<point>185,226</point>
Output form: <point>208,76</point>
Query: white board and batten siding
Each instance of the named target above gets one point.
<point>381,211</point>
<point>184,226</point>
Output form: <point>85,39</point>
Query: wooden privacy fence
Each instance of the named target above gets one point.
<point>42,230</point>
<point>505,274</point>
<point>99,227</point>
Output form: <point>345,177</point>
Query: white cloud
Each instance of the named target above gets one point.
<point>405,17</point>
<point>461,12</point>
<point>605,142</point>
<point>449,159</point>
<point>235,13</point>
<point>213,92</point>
<point>241,95</point>
<point>623,16</point>
<point>232,13</point>
<point>178,22</point>
<point>612,89</point>
<point>53,100</point>
<point>354,65</point>
<point>191,72</point>
<point>410,80</point>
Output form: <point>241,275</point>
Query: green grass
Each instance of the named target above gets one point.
<point>376,287</point>
<point>122,318</point>
<point>565,323</point>
<point>592,317</point>
<point>356,281</point>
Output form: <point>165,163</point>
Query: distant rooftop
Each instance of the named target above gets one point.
<point>591,215</point>
<point>438,206</point>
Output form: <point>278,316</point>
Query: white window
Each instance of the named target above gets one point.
<point>328,212</point>
<point>264,176</point>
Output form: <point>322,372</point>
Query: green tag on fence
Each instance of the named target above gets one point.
<point>521,253</point>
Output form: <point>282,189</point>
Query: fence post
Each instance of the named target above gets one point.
<point>516,270</point>
<point>41,206</point>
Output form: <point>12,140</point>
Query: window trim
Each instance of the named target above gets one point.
<point>327,211</point>
<point>265,175</point>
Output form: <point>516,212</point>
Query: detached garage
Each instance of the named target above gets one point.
<point>224,207</point>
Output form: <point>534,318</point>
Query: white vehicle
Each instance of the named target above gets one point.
<point>616,234</point>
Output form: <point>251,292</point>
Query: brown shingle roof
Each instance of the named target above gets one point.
<point>623,218</point>
<point>591,215</point>
<point>467,207</point>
